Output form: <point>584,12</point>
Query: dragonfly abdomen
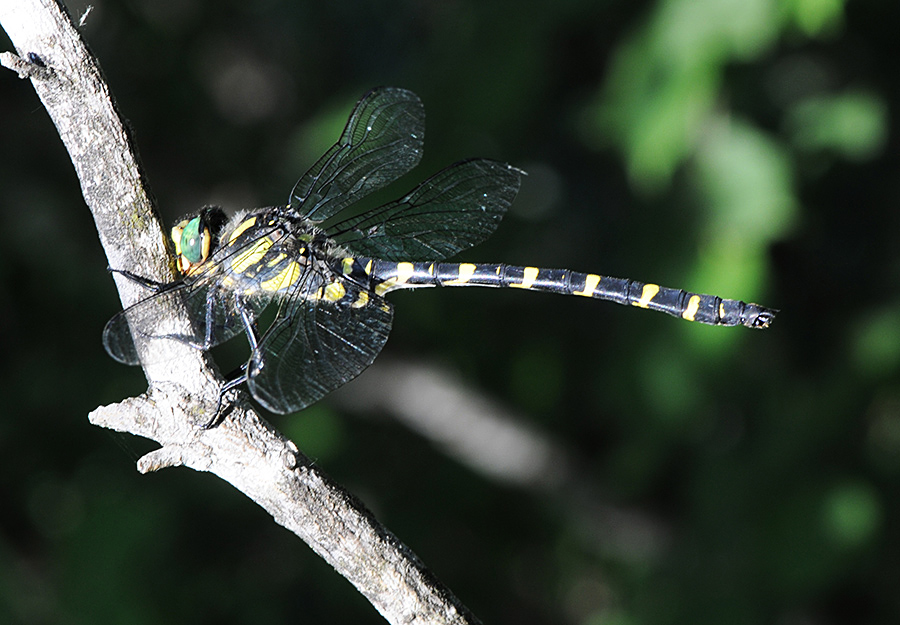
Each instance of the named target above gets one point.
<point>710,309</point>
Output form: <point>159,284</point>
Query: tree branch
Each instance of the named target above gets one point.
<point>183,388</point>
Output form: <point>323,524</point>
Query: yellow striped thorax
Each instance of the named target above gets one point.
<point>260,253</point>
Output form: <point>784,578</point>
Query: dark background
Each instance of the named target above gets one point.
<point>743,148</point>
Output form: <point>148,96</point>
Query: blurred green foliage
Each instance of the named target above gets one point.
<point>739,147</point>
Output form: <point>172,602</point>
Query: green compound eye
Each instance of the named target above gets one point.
<point>194,243</point>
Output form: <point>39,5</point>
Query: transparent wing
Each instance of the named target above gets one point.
<point>213,319</point>
<point>314,347</point>
<point>381,142</point>
<point>453,210</point>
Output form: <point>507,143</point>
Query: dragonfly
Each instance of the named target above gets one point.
<point>325,269</point>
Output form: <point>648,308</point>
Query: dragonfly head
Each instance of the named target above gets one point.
<point>196,238</point>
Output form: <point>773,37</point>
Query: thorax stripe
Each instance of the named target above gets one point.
<point>242,227</point>
<point>252,255</point>
<point>288,276</point>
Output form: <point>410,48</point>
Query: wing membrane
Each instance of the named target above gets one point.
<point>314,347</point>
<point>381,142</point>
<point>213,320</point>
<point>453,210</point>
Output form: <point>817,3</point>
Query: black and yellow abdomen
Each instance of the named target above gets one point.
<point>387,276</point>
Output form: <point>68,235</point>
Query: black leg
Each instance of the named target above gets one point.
<point>147,283</point>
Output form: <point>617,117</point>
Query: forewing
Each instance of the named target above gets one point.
<point>381,142</point>
<point>213,320</point>
<point>314,347</point>
<point>453,210</point>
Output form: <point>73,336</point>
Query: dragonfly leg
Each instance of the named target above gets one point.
<point>252,330</point>
<point>147,283</point>
<point>210,318</point>
<point>235,379</point>
<point>249,322</point>
<point>238,376</point>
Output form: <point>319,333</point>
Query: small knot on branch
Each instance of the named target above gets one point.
<point>32,66</point>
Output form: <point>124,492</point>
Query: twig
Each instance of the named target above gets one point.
<point>244,450</point>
